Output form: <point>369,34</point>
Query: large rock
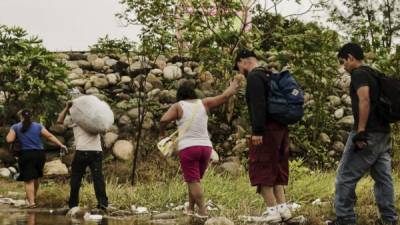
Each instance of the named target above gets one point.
<point>98,64</point>
<point>347,121</point>
<point>219,221</point>
<point>55,167</point>
<point>172,72</point>
<point>339,113</point>
<point>109,139</point>
<point>5,173</point>
<point>123,150</point>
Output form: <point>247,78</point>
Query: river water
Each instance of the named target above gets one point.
<point>25,218</point>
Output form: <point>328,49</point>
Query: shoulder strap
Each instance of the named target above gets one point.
<point>189,122</point>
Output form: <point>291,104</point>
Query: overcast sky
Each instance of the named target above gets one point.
<point>74,24</point>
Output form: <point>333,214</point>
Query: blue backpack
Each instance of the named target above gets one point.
<point>285,98</point>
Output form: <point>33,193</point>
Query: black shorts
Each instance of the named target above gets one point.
<point>31,164</point>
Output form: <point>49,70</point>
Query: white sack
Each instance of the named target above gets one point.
<point>91,114</point>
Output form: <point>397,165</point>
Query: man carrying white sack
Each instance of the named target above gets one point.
<point>88,153</point>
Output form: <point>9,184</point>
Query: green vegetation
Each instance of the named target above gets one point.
<point>234,194</point>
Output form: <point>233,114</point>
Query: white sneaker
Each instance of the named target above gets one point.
<point>285,213</point>
<point>271,217</point>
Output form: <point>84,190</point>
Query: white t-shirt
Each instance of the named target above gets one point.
<point>84,141</point>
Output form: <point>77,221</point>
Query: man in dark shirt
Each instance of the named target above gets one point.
<point>368,146</point>
<point>269,144</point>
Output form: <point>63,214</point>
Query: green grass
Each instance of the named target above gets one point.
<point>233,193</point>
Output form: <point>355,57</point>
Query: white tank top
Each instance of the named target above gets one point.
<point>197,133</point>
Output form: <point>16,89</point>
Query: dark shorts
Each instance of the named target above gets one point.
<point>194,162</point>
<point>269,162</point>
<point>31,164</point>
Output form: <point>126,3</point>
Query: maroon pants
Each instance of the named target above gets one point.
<point>269,162</point>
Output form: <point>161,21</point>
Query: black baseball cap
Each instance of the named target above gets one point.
<point>243,54</point>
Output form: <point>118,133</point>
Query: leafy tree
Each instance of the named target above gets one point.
<point>30,76</point>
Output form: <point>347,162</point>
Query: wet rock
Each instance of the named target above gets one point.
<point>219,221</point>
<point>55,167</point>
<point>338,146</point>
<point>323,137</point>
<point>172,72</point>
<point>339,113</point>
<point>165,216</point>
<point>5,173</point>
<point>109,139</point>
<point>123,150</point>
<point>77,212</point>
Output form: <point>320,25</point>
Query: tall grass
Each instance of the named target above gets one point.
<point>233,194</point>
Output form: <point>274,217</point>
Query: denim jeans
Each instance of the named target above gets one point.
<point>83,159</point>
<point>376,159</point>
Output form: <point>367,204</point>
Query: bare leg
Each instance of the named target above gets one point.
<point>192,201</point>
<point>30,191</point>
<point>36,187</point>
<point>197,194</point>
<point>279,192</point>
<point>267,192</point>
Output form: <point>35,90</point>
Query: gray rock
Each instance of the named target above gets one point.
<point>91,57</point>
<point>84,64</point>
<point>123,150</point>
<point>55,167</point>
<point>109,139</point>
<point>153,93</point>
<point>74,76</point>
<point>346,100</point>
<point>110,62</point>
<point>172,72</point>
<point>339,113</point>
<point>5,173</point>
<point>161,62</point>
<point>219,221</point>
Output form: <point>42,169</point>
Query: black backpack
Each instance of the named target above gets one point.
<point>388,105</point>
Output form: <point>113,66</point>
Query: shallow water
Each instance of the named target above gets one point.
<point>25,218</point>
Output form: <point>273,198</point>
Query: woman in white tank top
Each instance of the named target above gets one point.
<point>194,145</point>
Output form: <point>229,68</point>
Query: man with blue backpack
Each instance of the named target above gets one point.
<point>375,103</point>
<point>274,101</point>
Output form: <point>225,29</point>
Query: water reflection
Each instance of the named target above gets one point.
<point>46,219</point>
